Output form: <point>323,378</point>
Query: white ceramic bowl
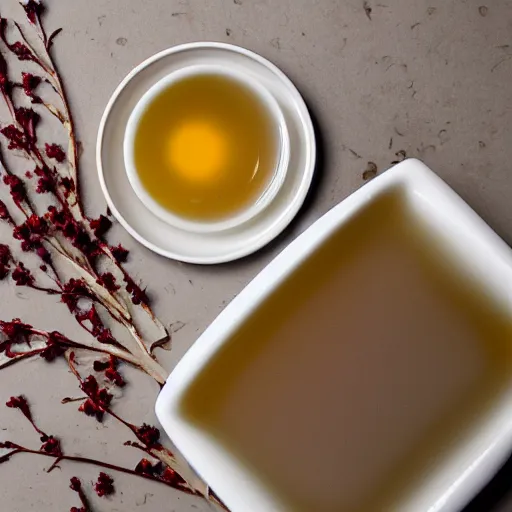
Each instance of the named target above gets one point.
<point>282,158</point>
<point>455,472</point>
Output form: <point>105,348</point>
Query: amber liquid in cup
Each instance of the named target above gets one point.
<point>206,148</point>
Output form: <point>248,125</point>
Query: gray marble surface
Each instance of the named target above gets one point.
<point>429,77</point>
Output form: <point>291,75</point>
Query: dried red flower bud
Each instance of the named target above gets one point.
<point>105,336</point>
<point>44,255</point>
<point>138,294</point>
<point>115,377</point>
<point>108,281</point>
<point>28,120</point>
<point>104,398</point>
<point>51,445</point>
<point>91,409</point>
<point>144,467</point>
<point>55,346</point>
<point>74,290</point>
<point>5,254</point>
<point>75,484</point>
<point>5,84</point>
<point>20,402</point>
<point>22,51</point>
<point>100,225</point>
<point>16,138</point>
<point>15,329</point>
<point>37,225</point>
<point>68,186</point>
<point>98,401</point>
<point>75,509</point>
<point>105,485</point>
<point>17,189</point>
<point>46,182</point>
<point>30,83</point>
<point>4,212</point>
<point>55,152</point>
<point>90,386</point>
<point>120,253</point>
<point>170,476</point>
<point>148,435</point>
<point>110,369</point>
<point>5,261</point>
<point>22,275</point>
<point>33,9</point>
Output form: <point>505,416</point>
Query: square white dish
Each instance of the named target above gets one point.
<point>387,393</point>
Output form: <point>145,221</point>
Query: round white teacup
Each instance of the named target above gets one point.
<point>282,148</point>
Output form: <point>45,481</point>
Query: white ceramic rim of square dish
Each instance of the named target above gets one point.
<point>472,464</point>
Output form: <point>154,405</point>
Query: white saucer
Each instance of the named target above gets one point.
<point>204,248</point>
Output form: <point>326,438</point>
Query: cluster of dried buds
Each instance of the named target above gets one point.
<point>74,263</point>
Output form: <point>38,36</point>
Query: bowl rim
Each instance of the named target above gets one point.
<point>267,100</point>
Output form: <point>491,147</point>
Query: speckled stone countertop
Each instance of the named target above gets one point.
<point>431,78</point>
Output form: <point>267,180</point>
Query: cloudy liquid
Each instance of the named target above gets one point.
<point>361,373</point>
<point>206,148</point>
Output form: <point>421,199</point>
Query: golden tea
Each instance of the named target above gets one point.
<point>206,147</point>
<point>361,373</point>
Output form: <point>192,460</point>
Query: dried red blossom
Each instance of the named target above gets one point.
<point>51,445</point>
<point>20,402</point>
<point>105,485</point>
<point>145,467</point>
<point>5,84</point>
<point>64,222</point>
<point>110,369</point>
<point>4,212</point>
<point>74,290</point>
<point>67,186</point>
<point>158,470</point>
<point>22,275</point>
<point>16,138</point>
<point>37,225</point>
<point>138,294</point>
<point>91,409</point>
<point>100,225</point>
<point>55,346</point>
<point>5,261</point>
<point>44,255</point>
<point>30,83</point>
<point>16,330</point>
<point>172,477</point>
<point>17,189</point>
<point>75,484</point>
<point>105,336</point>
<point>108,281</point>
<point>98,401</point>
<point>46,182</point>
<point>149,435</point>
<point>120,253</point>
<point>33,9</point>
<point>31,233</point>
<point>22,51</point>
<point>28,119</point>
<point>55,152</point>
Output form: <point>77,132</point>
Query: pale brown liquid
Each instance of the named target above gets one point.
<point>361,373</point>
<point>206,148</point>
